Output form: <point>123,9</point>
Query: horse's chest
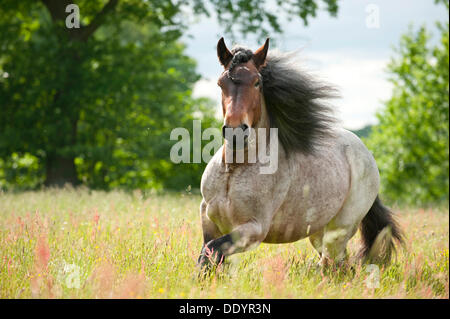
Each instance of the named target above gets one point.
<point>233,198</point>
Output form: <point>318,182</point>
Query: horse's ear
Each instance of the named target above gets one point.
<point>223,53</point>
<point>259,57</point>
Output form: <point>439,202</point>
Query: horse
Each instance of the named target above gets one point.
<point>327,182</point>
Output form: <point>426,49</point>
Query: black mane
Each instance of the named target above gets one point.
<point>294,101</point>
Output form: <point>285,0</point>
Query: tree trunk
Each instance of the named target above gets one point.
<point>60,171</point>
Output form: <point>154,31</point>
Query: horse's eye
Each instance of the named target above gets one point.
<point>256,84</point>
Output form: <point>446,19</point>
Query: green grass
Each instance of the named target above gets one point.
<point>129,246</point>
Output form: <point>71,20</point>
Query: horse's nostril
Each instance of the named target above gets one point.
<point>244,127</point>
<point>241,130</point>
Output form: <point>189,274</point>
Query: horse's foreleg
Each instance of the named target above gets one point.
<point>242,238</point>
<point>316,241</point>
<point>210,230</point>
<point>334,243</point>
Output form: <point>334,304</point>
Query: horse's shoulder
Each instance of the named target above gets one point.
<point>214,169</point>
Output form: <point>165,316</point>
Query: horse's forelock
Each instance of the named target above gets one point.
<point>240,55</point>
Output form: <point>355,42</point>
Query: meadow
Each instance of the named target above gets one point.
<point>77,243</point>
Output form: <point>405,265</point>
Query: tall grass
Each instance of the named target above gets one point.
<point>76,243</point>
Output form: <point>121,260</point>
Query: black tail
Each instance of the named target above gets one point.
<point>378,228</point>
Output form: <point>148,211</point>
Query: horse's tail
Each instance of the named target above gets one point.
<point>379,229</point>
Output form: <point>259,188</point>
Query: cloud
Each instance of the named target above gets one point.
<point>362,83</point>
<point>209,88</point>
<point>206,88</point>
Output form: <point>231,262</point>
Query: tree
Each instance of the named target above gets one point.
<point>96,103</point>
<point>411,141</point>
<point>364,131</point>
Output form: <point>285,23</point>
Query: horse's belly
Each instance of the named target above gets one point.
<point>317,194</point>
<point>299,200</point>
<point>292,225</point>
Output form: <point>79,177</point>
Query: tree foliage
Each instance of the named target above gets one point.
<point>106,103</point>
<point>96,104</point>
<point>411,141</point>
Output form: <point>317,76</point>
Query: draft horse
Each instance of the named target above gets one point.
<point>327,181</point>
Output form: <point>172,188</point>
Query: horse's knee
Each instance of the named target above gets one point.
<point>334,244</point>
<point>210,229</point>
<point>245,237</point>
<point>242,238</point>
<point>316,241</point>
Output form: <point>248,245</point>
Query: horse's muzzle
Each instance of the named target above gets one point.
<point>238,136</point>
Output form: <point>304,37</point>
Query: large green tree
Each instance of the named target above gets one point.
<point>95,104</point>
<point>411,141</point>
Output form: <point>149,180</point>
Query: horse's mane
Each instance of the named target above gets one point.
<point>294,101</point>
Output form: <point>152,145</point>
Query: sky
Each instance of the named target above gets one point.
<point>350,51</point>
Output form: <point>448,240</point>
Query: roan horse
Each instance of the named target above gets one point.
<point>326,184</point>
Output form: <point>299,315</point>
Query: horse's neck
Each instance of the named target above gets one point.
<point>263,123</point>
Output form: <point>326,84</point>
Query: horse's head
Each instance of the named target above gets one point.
<point>241,86</point>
